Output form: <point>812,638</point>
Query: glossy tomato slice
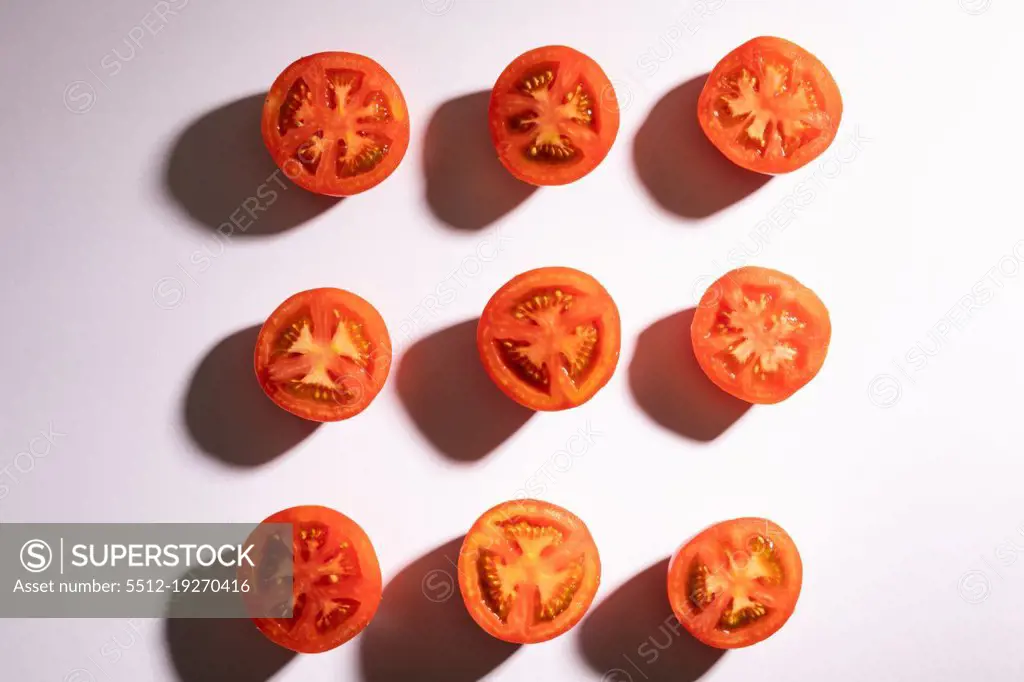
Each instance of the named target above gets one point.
<point>323,355</point>
<point>736,583</point>
<point>760,335</point>
<point>550,338</point>
<point>336,581</point>
<point>528,571</point>
<point>770,106</point>
<point>336,123</point>
<point>553,115</point>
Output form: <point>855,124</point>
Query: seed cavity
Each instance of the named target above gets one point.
<point>554,149</point>
<point>295,109</point>
<point>362,153</point>
<point>734,617</point>
<point>311,151</point>
<point>498,599</point>
<point>299,602</point>
<point>700,593</point>
<point>578,357</point>
<point>523,122</point>
<point>523,360</point>
<point>342,86</point>
<point>561,597</point>
<point>578,105</point>
<point>538,80</point>
<point>340,564</point>
<point>375,108</point>
<point>334,613</point>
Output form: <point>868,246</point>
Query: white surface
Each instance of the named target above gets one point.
<point>902,513</point>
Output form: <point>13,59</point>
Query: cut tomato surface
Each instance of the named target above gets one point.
<point>550,338</point>
<point>736,583</point>
<point>336,580</point>
<point>323,355</point>
<point>553,116</point>
<point>770,106</point>
<point>528,571</point>
<point>336,123</point>
<point>760,335</point>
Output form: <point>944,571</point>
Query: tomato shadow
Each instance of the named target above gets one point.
<point>226,412</point>
<point>221,174</point>
<point>422,630</point>
<point>467,187</point>
<point>449,396</point>
<point>633,635</point>
<point>672,389</point>
<point>683,172</point>
<point>218,649</point>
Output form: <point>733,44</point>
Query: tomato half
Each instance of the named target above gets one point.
<point>736,583</point>
<point>553,116</point>
<point>770,106</point>
<point>323,355</point>
<point>336,123</point>
<point>550,338</point>
<point>336,580</point>
<point>528,571</point>
<point>760,335</point>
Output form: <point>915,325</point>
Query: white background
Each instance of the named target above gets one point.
<point>898,471</point>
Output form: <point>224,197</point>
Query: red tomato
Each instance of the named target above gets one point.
<point>336,581</point>
<point>528,571</point>
<point>554,116</point>
<point>770,106</point>
<point>760,335</point>
<point>323,355</point>
<point>736,583</point>
<point>549,338</point>
<point>336,123</point>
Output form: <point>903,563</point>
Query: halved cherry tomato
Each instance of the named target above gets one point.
<point>736,583</point>
<point>336,123</point>
<point>528,571</point>
<point>323,355</point>
<point>549,338</point>
<point>336,581</point>
<point>760,335</point>
<point>554,116</point>
<point>770,106</point>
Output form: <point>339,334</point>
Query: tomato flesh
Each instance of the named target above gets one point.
<point>736,583</point>
<point>336,123</point>
<point>528,571</point>
<point>553,116</point>
<point>323,355</point>
<point>550,338</point>
<point>760,335</point>
<point>336,579</point>
<point>770,106</point>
